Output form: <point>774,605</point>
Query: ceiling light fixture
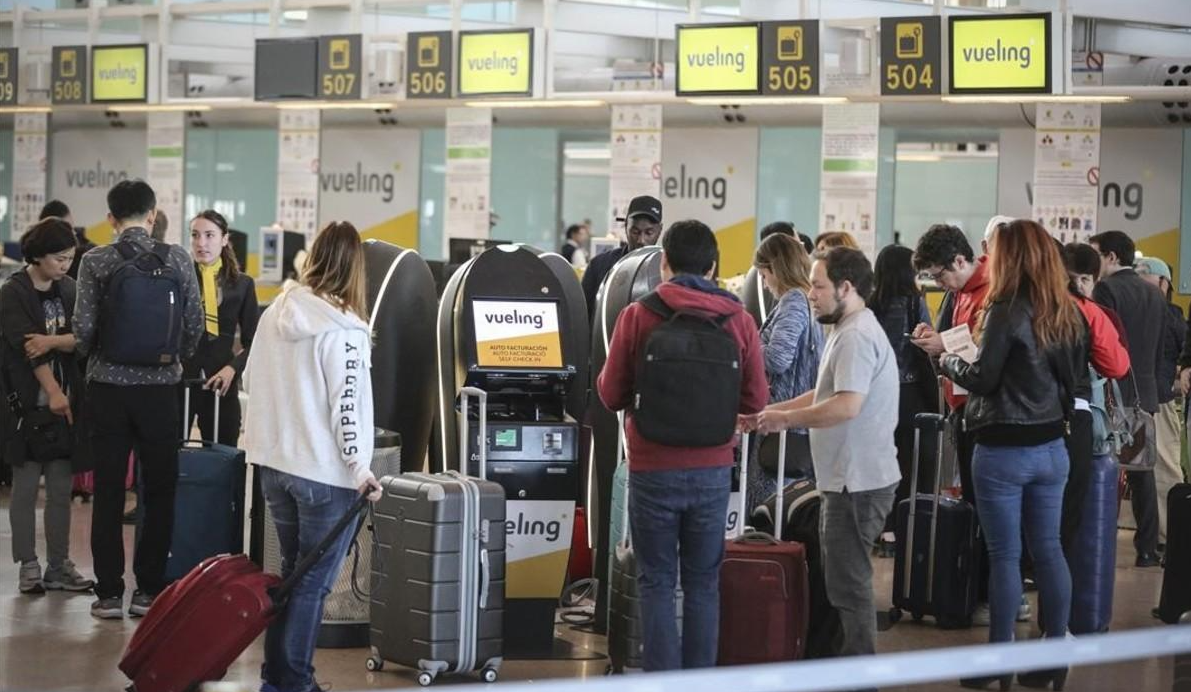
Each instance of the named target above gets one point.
<point>336,105</point>
<point>24,109</point>
<point>539,103</point>
<point>1035,98</point>
<point>766,100</point>
<point>160,107</point>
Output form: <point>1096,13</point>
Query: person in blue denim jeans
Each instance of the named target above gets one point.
<point>678,496</point>
<point>309,428</point>
<point>1033,350</point>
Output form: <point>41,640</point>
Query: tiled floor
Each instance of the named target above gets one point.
<point>52,643</point>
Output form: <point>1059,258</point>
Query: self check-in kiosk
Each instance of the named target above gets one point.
<point>401,304</point>
<point>279,248</point>
<point>633,277</point>
<point>515,325</point>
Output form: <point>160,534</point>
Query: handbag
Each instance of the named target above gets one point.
<point>1135,438</point>
<point>47,435</point>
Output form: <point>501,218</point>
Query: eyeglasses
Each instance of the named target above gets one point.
<point>935,276</point>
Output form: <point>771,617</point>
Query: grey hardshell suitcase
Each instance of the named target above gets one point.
<point>438,570</point>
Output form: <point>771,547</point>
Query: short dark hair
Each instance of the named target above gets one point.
<point>939,247</point>
<point>573,229</point>
<point>849,264</point>
<point>807,243</point>
<point>1118,243</point>
<point>783,227</point>
<point>54,207</point>
<point>47,237</point>
<point>131,199</point>
<point>690,247</point>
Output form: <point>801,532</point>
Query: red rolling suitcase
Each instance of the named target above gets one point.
<point>764,589</point>
<point>200,624</point>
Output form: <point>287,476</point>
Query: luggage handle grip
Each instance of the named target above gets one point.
<point>744,465</point>
<point>281,593</point>
<point>186,439</point>
<point>779,507</point>
<point>485,578</point>
<point>758,538</point>
<point>482,443</point>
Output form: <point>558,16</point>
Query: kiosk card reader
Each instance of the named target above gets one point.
<point>509,324</point>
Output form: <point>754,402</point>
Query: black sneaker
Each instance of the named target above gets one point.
<point>141,603</point>
<point>108,608</point>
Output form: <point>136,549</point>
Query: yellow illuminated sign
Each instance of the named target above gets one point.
<point>1001,54</point>
<point>496,63</point>
<point>725,58</point>
<point>119,73</point>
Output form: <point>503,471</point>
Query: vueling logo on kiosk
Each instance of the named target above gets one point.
<point>517,334</point>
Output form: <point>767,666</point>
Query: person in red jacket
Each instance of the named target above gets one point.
<point>678,496</point>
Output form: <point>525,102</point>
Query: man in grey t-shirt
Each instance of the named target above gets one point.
<point>851,415</point>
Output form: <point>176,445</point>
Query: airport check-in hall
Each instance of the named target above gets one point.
<point>776,345</point>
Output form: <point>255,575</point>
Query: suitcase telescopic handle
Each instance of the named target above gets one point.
<point>186,385</point>
<point>282,592</point>
<point>779,506</point>
<point>742,506</point>
<point>482,443</point>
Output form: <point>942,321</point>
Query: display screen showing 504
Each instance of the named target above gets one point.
<point>517,334</point>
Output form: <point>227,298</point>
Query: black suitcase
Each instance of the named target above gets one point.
<point>438,569</point>
<point>940,533</point>
<point>1176,580</point>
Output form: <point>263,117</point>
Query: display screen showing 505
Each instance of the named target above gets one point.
<point>517,334</point>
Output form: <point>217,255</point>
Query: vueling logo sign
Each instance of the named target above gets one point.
<point>516,317</point>
<point>550,530</point>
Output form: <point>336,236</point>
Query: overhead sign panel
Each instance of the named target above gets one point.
<point>1000,54</point>
<point>120,73</point>
<point>339,67</point>
<point>428,65</point>
<point>718,59</point>
<point>9,74</point>
<point>790,58</point>
<point>911,56</point>
<point>496,63</point>
<point>286,68</point>
<point>68,75</point>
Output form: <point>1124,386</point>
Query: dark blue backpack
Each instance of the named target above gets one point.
<point>141,315</point>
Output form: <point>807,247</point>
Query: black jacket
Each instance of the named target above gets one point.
<point>594,274</point>
<point>21,313</point>
<point>1013,382</point>
<point>1174,338</point>
<point>1142,310</point>
<point>237,309</point>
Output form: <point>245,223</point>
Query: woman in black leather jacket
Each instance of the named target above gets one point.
<point>1023,388</point>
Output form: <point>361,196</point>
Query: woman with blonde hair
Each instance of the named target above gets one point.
<point>1022,385</point>
<point>791,340</point>
<point>309,428</point>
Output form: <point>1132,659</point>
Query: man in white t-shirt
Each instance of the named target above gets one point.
<point>851,413</point>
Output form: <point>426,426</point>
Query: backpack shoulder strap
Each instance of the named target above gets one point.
<point>654,303</point>
<point>126,249</point>
<point>162,251</point>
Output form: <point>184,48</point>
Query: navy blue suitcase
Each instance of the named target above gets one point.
<point>1093,555</point>
<point>209,505</point>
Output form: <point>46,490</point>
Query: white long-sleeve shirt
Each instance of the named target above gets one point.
<point>310,391</point>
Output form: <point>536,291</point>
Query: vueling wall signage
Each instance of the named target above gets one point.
<point>68,75</point>
<point>910,56</point>
<point>496,63</point>
<point>718,59</point>
<point>1000,54</point>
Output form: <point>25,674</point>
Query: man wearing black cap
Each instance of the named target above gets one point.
<point>643,226</point>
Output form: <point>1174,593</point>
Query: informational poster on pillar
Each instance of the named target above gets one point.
<point>297,171</point>
<point>1067,169</point>
<point>848,191</point>
<point>711,175</point>
<point>28,168</point>
<point>166,168</point>
<point>537,545</point>
<point>375,187</point>
<point>469,171</point>
<point>636,158</point>
<point>86,164</point>
<point>517,334</point>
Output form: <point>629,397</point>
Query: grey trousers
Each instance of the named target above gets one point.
<point>850,525</point>
<point>22,512</point>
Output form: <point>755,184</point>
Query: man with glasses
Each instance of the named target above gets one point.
<point>643,227</point>
<point>944,255</point>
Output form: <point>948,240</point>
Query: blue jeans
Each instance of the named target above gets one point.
<point>304,511</point>
<point>677,521</point>
<point>1020,487</point>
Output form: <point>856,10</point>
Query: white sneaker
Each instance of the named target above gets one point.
<point>66,577</point>
<point>30,579</point>
<point>981,616</point>
<point>1024,612</point>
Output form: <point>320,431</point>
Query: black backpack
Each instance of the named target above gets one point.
<point>140,319</point>
<point>688,380</point>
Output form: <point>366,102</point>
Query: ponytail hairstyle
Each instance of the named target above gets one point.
<point>334,269</point>
<point>230,271</point>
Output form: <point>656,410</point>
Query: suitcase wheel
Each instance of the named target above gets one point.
<point>895,615</point>
<point>488,675</point>
<point>425,678</point>
<point>917,616</point>
<point>374,663</point>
